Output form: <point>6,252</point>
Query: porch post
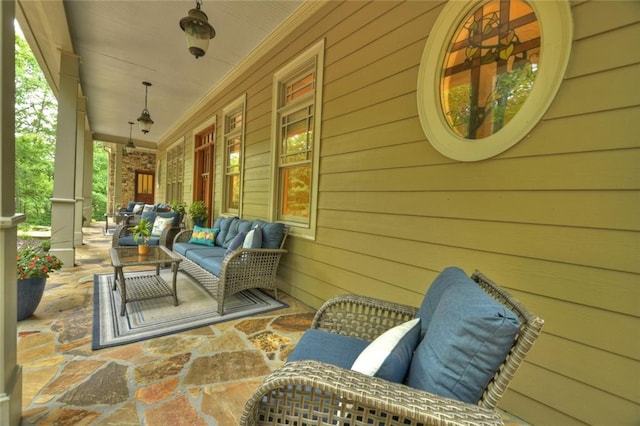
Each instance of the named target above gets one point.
<point>63,203</point>
<point>80,178</point>
<point>10,371</point>
<point>87,189</point>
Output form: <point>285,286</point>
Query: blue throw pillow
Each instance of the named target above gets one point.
<point>389,356</point>
<point>235,243</point>
<point>468,338</point>
<point>431,299</point>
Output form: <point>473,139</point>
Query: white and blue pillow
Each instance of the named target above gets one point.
<point>389,356</point>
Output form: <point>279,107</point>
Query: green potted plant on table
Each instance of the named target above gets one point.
<point>33,268</point>
<point>142,231</point>
<point>198,212</point>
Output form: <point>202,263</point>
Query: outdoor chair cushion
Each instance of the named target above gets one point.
<point>467,338</point>
<point>230,227</point>
<point>335,349</point>
<point>128,241</point>
<point>151,217</point>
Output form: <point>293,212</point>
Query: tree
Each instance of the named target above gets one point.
<point>35,122</point>
<point>99,191</point>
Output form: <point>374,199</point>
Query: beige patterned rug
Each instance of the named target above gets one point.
<point>158,317</point>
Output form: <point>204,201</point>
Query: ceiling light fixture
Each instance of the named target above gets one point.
<point>197,30</point>
<point>130,146</point>
<point>145,121</point>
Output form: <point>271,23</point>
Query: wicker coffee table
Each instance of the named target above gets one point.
<point>141,287</point>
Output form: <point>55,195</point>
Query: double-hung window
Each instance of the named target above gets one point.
<point>297,102</point>
<point>175,172</point>
<point>233,116</point>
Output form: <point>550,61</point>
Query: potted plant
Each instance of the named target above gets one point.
<point>142,231</point>
<point>198,212</point>
<point>180,207</point>
<point>33,268</point>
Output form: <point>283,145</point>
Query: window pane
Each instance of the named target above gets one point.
<point>233,191</point>
<point>299,87</point>
<point>296,193</point>
<point>234,121</point>
<point>233,155</point>
<point>490,67</point>
<point>297,136</point>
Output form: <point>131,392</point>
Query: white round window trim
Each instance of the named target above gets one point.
<point>556,30</point>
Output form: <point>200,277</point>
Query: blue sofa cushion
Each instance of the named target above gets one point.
<point>389,356</point>
<point>223,223</point>
<point>335,349</point>
<point>467,339</point>
<point>198,255</point>
<point>185,248</point>
<point>212,264</point>
<point>272,233</point>
<point>128,241</point>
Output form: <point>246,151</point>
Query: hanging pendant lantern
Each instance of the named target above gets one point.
<point>130,146</point>
<point>197,31</point>
<point>145,121</point>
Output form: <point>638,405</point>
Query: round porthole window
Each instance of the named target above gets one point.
<point>489,72</point>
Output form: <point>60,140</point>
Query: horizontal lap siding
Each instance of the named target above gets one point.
<point>555,219</point>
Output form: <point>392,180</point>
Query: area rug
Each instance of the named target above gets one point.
<point>158,317</point>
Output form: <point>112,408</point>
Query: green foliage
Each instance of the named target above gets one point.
<point>100,179</point>
<point>36,107</point>
<point>34,178</point>
<point>198,210</point>
<point>31,262</point>
<point>36,110</point>
<point>142,230</point>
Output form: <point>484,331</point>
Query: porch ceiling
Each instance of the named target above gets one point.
<point>122,43</point>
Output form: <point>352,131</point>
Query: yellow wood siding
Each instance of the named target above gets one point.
<point>555,219</point>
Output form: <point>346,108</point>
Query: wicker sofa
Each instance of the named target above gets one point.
<point>321,384</point>
<point>228,262</point>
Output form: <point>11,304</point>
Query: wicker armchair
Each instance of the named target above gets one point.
<point>315,393</point>
<point>123,232</point>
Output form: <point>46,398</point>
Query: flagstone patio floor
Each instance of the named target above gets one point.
<point>197,377</point>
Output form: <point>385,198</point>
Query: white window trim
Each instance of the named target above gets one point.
<point>556,30</point>
<point>179,141</point>
<point>241,102</point>
<point>289,70</point>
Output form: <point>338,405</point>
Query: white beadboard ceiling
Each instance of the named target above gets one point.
<point>123,43</point>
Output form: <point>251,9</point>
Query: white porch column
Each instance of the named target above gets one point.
<point>10,371</point>
<point>80,181</point>
<point>63,203</point>
<point>87,189</point>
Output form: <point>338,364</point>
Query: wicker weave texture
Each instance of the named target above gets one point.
<point>241,270</point>
<point>313,393</point>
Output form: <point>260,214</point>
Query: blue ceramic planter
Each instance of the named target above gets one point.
<point>30,292</point>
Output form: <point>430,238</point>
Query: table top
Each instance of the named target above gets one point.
<point>128,256</point>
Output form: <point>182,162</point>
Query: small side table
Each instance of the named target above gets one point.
<point>141,287</point>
